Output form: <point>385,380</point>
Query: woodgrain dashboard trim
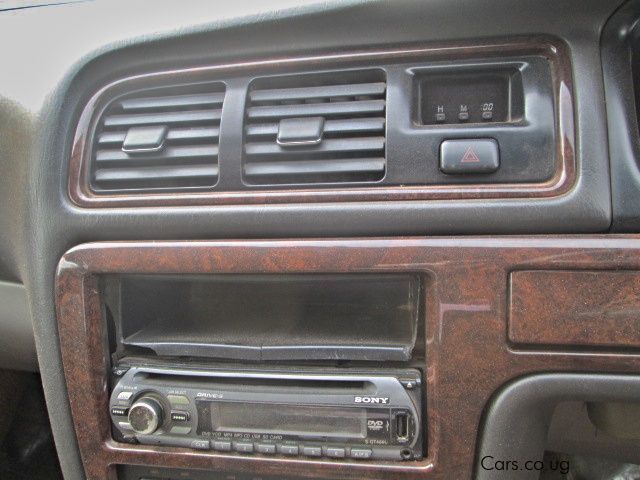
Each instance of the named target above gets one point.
<point>561,182</point>
<point>466,315</point>
<point>576,308</point>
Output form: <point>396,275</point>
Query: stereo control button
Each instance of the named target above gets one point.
<point>145,415</point>
<point>266,448</point>
<point>124,395</point>
<point>243,447</point>
<point>119,411</point>
<point>180,416</point>
<point>200,444</point>
<point>178,400</point>
<point>125,425</point>
<point>180,430</point>
<point>289,449</point>
<point>408,384</point>
<point>119,371</point>
<point>312,451</point>
<point>360,453</point>
<point>222,445</point>
<point>336,452</point>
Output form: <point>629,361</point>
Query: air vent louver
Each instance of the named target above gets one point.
<point>159,139</point>
<point>325,128</point>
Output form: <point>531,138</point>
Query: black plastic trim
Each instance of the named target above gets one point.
<point>618,39</point>
<point>518,419</point>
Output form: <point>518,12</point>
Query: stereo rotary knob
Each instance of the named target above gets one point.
<point>145,415</point>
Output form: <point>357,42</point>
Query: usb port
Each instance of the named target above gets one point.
<point>402,427</point>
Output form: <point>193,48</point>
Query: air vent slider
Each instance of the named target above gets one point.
<point>144,139</point>
<point>300,131</point>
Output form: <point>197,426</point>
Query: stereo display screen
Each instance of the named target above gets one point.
<point>288,419</point>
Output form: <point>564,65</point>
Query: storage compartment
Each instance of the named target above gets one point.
<point>619,419</point>
<point>137,472</point>
<point>267,317</point>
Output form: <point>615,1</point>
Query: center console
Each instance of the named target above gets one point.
<point>352,358</point>
<point>305,365</point>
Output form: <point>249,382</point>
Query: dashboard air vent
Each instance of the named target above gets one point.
<point>159,139</point>
<point>324,128</point>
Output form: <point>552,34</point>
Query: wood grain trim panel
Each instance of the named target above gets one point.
<point>468,353</point>
<point>561,182</point>
<point>592,309</point>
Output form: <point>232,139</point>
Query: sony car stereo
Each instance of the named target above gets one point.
<point>358,414</point>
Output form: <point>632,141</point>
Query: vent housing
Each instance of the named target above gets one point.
<point>160,139</point>
<point>316,128</point>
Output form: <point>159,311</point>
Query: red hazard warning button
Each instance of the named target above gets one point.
<point>478,155</point>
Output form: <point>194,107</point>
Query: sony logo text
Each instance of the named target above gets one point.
<point>382,400</point>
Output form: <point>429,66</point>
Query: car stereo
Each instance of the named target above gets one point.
<point>358,414</point>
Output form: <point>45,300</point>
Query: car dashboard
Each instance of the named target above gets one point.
<point>331,240</point>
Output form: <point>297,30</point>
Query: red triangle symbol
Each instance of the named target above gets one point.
<point>470,156</point>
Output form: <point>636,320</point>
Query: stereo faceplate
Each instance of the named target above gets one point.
<point>362,414</point>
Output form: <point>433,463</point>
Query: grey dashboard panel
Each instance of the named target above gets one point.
<point>17,348</point>
<point>620,42</point>
<point>518,419</point>
<point>48,102</point>
<point>53,59</point>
